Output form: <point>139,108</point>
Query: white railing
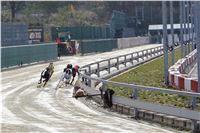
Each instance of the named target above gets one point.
<point>128,61</point>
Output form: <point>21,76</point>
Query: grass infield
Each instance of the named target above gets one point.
<point>152,74</point>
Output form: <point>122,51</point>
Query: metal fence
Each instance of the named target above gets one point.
<point>14,34</point>
<point>101,45</point>
<point>127,59</point>
<point>82,32</point>
<point>138,104</point>
<point>133,59</point>
<point>19,55</point>
<point>118,20</point>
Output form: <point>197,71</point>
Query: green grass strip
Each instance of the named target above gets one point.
<point>151,74</point>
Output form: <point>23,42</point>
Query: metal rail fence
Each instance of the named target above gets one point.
<point>128,61</point>
<point>14,34</point>
<point>82,32</point>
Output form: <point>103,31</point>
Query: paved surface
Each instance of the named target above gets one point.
<point>193,73</point>
<point>26,108</point>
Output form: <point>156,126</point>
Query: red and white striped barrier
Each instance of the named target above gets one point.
<point>178,79</point>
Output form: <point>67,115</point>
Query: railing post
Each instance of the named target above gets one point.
<point>194,122</point>
<point>135,97</point>
<point>143,54</point>
<point>83,78</point>
<point>98,70</point>
<point>118,63</point>
<point>158,51</point>
<point>89,70</point>
<point>108,65</point>
<point>147,53</point>
<point>137,56</point>
<point>132,58</point>
<point>125,60</point>
<point>155,51</point>
<point>193,102</point>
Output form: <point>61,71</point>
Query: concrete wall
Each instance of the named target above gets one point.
<point>131,42</point>
<point>103,45</point>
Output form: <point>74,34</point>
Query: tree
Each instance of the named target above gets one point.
<point>14,7</point>
<point>70,16</point>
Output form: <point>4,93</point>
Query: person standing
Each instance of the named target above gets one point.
<point>75,70</point>
<point>77,47</point>
<point>58,41</point>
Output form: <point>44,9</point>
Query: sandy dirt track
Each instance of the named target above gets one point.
<point>26,108</point>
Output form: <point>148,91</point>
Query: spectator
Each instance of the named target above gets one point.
<point>77,47</point>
